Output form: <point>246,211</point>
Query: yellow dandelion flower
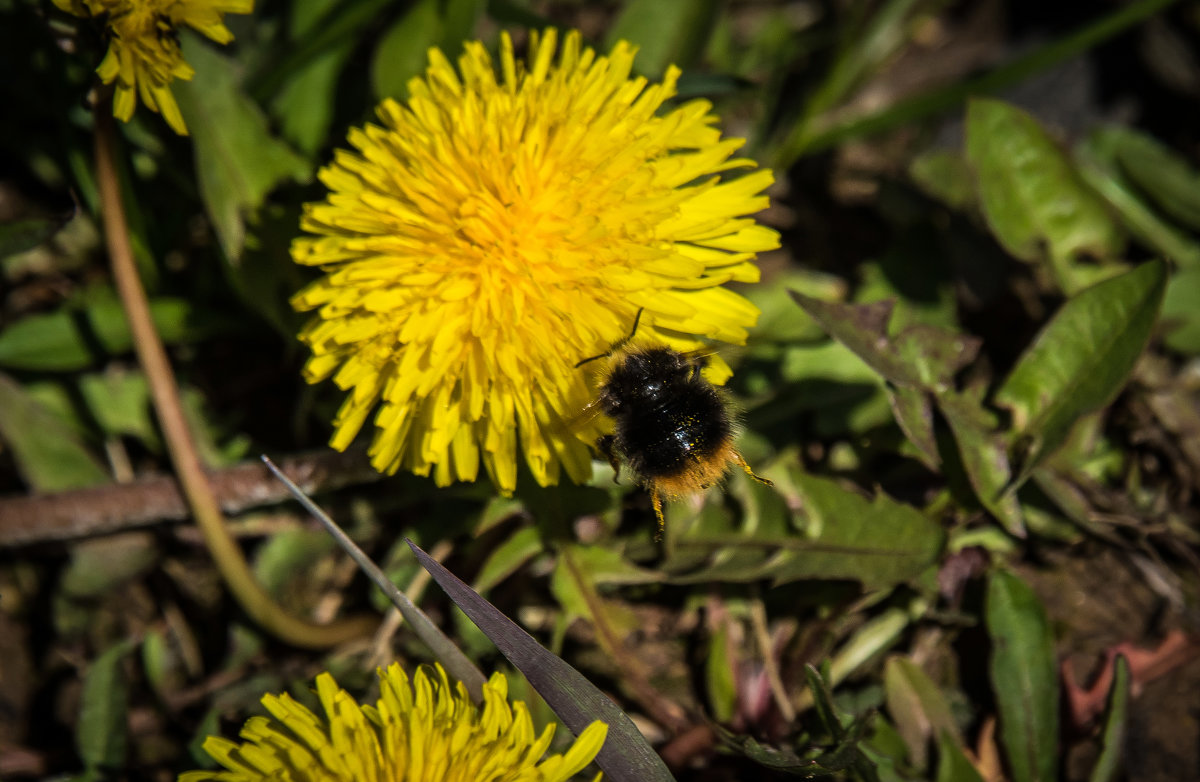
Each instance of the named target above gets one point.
<point>499,227</point>
<point>418,731</point>
<point>143,52</point>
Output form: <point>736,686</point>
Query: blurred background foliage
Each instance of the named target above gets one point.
<point>974,383</point>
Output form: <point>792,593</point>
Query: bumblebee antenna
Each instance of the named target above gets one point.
<point>619,343</point>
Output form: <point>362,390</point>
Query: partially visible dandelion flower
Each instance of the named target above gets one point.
<point>418,731</point>
<point>143,51</point>
<point>499,227</point>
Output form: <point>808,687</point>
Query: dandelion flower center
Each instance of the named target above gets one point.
<point>499,227</point>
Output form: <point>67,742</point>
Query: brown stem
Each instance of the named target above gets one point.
<point>165,395</point>
<point>116,507</point>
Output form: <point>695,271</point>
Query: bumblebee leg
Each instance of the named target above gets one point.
<point>656,500</point>
<point>737,457</point>
<point>606,446</point>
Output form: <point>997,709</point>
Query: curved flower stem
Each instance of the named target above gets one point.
<point>165,396</point>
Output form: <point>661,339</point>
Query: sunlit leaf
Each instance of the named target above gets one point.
<point>119,401</point>
<point>1034,201</point>
<point>71,338</point>
<point>49,453</point>
<point>238,160</point>
<point>719,676</point>
<point>1081,359</point>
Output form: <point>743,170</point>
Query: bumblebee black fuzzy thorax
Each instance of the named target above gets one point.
<point>670,425</point>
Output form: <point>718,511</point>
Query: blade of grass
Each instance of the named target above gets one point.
<point>1108,765</point>
<point>626,755</point>
<point>443,648</point>
<point>803,140</point>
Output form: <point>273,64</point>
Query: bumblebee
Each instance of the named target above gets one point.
<point>671,426</point>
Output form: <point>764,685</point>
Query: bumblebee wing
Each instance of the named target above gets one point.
<point>711,362</point>
<point>583,418</point>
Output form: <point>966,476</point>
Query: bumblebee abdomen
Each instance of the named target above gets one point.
<point>692,428</point>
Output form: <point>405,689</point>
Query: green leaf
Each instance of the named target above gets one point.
<point>666,32</point>
<point>1180,312</point>
<point>843,757</point>
<point>73,338</point>
<point>782,760</point>
<point>1163,175</point>
<point>576,590</point>
<point>508,557</point>
<point>984,454</point>
<point>102,730</point>
<point>238,160</point>
<point>402,52</point>
<point>1108,765</point>
<point>626,755</point>
<point>918,708</point>
<point>289,555</point>
<point>953,764</point>
<point>305,104</point>
<point>921,356</point>
<point>119,401</point>
<point>1032,197</point>
<point>870,35</point>
<point>100,565</point>
<point>877,542</point>
<point>160,664</point>
<point>719,676</point>
<point>50,454</point>
<point>343,21</point>
<point>876,635</point>
<point>914,413</point>
<point>822,696</point>
<point>944,174</point>
<point>864,329</point>
<point>779,319</point>
<point>1099,167</point>
<point>1024,677</point>
<point>1081,359</point>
